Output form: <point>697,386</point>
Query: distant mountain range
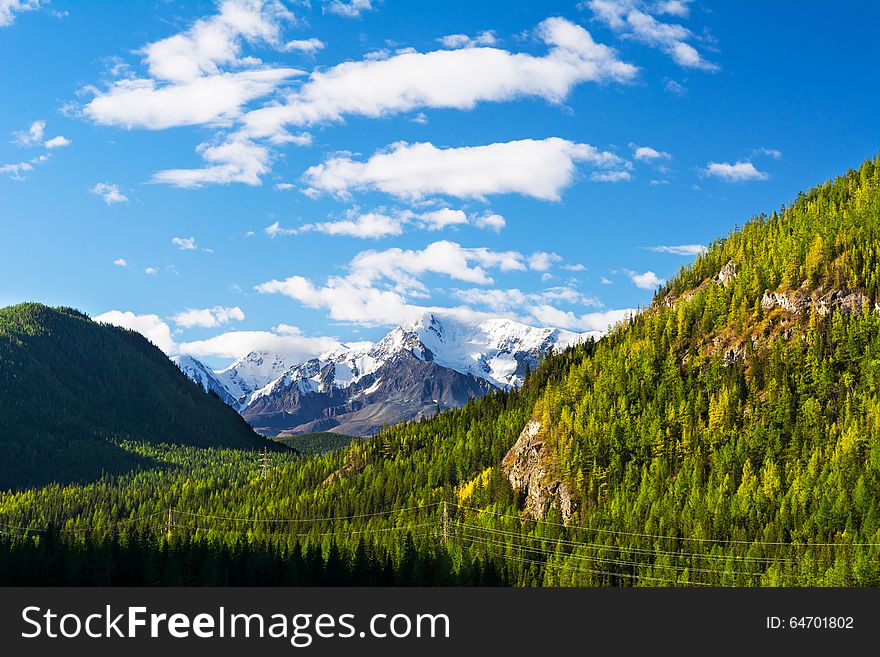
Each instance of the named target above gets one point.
<point>435,362</point>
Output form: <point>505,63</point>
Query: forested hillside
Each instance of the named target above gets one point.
<point>70,387</point>
<point>728,435</point>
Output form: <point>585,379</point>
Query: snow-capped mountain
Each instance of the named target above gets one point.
<point>497,350</point>
<point>434,362</point>
<point>205,377</point>
<point>250,373</point>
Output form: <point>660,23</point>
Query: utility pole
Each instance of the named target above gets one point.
<point>265,469</point>
<point>445,522</point>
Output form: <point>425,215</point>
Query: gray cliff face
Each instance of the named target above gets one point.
<point>404,388</point>
<point>529,466</point>
<point>801,301</point>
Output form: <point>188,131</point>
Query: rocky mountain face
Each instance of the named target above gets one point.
<point>436,362</point>
<point>530,466</point>
<point>404,388</point>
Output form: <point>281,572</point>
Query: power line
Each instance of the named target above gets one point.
<point>310,534</point>
<point>605,572</point>
<point>599,530</point>
<point>319,519</point>
<point>619,562</point>
<point>123,521</point>
<point>627,548</point>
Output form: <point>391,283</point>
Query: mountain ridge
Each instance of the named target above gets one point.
<point>435,361</point>
<point>70,387</point>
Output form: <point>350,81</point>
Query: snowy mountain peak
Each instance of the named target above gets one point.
<point>468,355</point>
<point>497,350</point>
<point>251,373</point>
<point>205,377</point>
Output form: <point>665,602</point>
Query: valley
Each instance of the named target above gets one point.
<point>728,435</point>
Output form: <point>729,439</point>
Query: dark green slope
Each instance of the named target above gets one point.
<point>320,442</point>
<point>69,385</point>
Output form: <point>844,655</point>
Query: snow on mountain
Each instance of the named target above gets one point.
<point>250,373</point>
<point>498,351</point>
<point>205,377</point>
<point>435,361</point>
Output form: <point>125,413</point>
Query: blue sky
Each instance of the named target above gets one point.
<point>284,175</point>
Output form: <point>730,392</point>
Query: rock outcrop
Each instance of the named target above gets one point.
<point>802,300</point>
<point>353,467</point>
<point>727,273</point>
<point>529,466</point>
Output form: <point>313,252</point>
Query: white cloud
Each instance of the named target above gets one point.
<point>509,300</point>
<point>284,186</point>
<point>32,136</point>
<point>109,192</point>
<point>151,271</point>
<point>345,300</point>
<point>594,322</point>
<point>456,79</point>
<point>679,8</point>
<point>610,176</point>
<point>275,230</point>
<point>681,249</point>
<point>370,225</point>
<point>402,267</point>
<point>543,261</point>
<point>234,344</point>
<point>17,170</point>
<point>287,340</point>
<point>537,168</point>
<point>9,8</point>
<point>348,8</point>
<point>648,154</point>
<point>378,285</point>
<point>304,45</point>
<point>184,243</point>
<point>606,281</point>
<point>120,262</point>
<point>627,18</point>
<point>382,223</point>
<point>201,77</point>
<point>213,99</point>
<point>486,38</point>
<point>775,153</point>
<point>741,171</point>
<point>675,88</point>
<point>215,41</point>
<point>150,326</point>
<point>442,218</point>
<point>574,267</point>
<point>57,142</point>
<point>646,281</point>
<point>237,160</point>
<point>491,221</point>
<point>208,317</point>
